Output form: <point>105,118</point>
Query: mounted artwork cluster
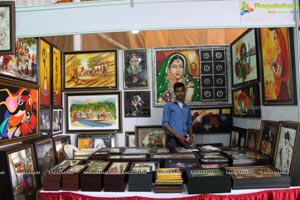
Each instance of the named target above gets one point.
<point>265,51</point>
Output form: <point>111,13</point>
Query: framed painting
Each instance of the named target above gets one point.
<point>234,138</point>
<point>203,70</point>
<point>45,118</point>
<point>150,136</point>
<point>182,164</point>
<point>137,104</point>
<point>16,104</point>
<point>56,76</point>
<point>244,58</point>
<point>286,157</point>
<point>57,121</point>
<point>90,70</point>
<point>267,137</point>
<point>93,141</point>
<point>59,142</point>
<point>239,134</point>
<point>211,120</point>
<point>252,137</point>
<point>22,64</point>
<point>7,27</point>
<point>135,69</point>
<point>278,67</point>
<point>19,165</point>
<point>130,140</point>
<point>94,112</point>
<point>246,102</point>
<point>45,69</point>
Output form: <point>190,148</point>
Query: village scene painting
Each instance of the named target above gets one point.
<point>93,112</point>
<point>90,70</point>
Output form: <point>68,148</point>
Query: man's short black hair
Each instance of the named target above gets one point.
<point>178,85</point>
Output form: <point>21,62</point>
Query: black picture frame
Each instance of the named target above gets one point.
<point>137,104</point>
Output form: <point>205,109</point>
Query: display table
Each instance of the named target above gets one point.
<point>250,194</point>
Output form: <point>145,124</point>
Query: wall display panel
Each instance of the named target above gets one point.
<point>19,108</point>
<point>246,101</point>
<point>94,112</point>
<point>204,71</point>
<point>20,180</point>
<point>7,27</point>
<point>45,72</point>
<point>244,58</point>
<point>56,76</point>
<point>211,120</point>
<point>135,69</point>
<point>278,67</point>
<point>22,64</point>
<point>137,104</point>
<point>286,157</point>
<point>90,70</point>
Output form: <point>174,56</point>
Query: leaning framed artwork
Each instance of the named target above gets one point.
<point>244,58</point>
<point>252,137</point>
<point>137,104</point>
<point>7,27</point>
<point>22,65</point>
<point>90,70</point>
<point>150,136</point>
<point>130,140</point>
<point>278,66</point>
<point>94,112</point>
<point>16,104</point>
<point>246,101</point>
<point>135,69</point>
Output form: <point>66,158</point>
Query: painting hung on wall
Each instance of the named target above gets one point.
<point>244,58</point>
<point>45,119</point>
<point>278,67</point>
<point>90,70</point>
<point>150,136</point>
<point>19,116</point>
<point>45,68</point>
<point>56,77</point>
<point>137,104</point>
<point>135,69</point>
<point>23,63</point>
<point>211,120</point>
<point>57,121</point>
<point>246,101</point>
<point>99,112</point>
<point>7,27</point>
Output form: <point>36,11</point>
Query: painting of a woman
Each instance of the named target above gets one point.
<point>174,68</point>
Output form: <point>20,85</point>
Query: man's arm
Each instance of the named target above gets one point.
<point>180,137</point>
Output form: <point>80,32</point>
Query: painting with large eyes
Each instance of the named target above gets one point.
<point>19,114</point>
<point>278,67</point>
<point>23,63</point>
<point>244,58</point>
<point>45,58</point>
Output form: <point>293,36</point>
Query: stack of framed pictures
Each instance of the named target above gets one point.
<point>112,150</point>
<point>91,179</point>
<point>129,157</point>
<point>161,157</point>
<point>254,177</point>
<point>201,181</point>
<point>238,158</point>
<point>140,178</point>
<point>153,164</point>
<point>71,177</point>
<point>209,158</point>
<point>168,180</point>
<point>115,178</point>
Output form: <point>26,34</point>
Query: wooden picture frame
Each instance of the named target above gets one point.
<point>45,118</point>
<point>59,142</point>
<point>90,70</point>
<point>7,27</point>
<point>22,65</point>
<point>94,141</point>
<point>150,136</point>
<point>211,120</point>
<point>246,101</point>
<point>244,58</point>
<point>252,137</point>
<point>130,140</point>
<point>135,69</point>
<point>25,100</point>
<point>19,165</point>
<point>97,112</point>
<point>45,72</point>
<point>57,121</point>
<point>56,76</point>
<point>137,104</point>
<point>267,138</point>
<point>241,133</point>
<point>286,156</point>
<point>278,66</point>
<point>204,71</point>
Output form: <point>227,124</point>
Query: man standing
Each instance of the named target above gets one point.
<point>177,120</point>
